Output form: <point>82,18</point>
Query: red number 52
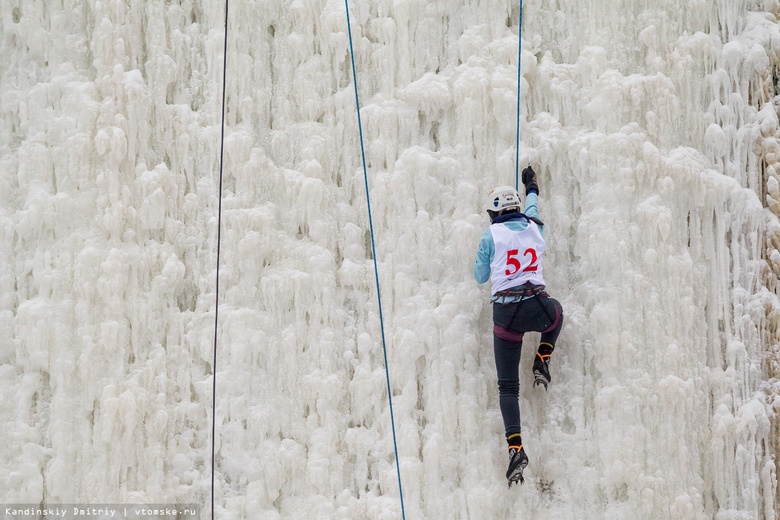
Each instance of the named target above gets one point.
<point>512,261</point>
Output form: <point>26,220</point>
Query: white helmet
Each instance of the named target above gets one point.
<point>502,198</point>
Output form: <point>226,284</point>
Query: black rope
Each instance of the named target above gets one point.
<point>219,243</point>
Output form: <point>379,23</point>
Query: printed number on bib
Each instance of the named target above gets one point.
<point>513,262</point>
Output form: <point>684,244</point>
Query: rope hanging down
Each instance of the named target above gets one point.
<point>519,70</point>
<point>219,243</point>
<point>373,253</point>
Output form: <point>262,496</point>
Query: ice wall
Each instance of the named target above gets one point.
<point>653,127</point>
<point>109,145</point>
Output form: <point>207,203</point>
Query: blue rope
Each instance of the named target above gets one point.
<point>373,253</point>
<point>519,57</point>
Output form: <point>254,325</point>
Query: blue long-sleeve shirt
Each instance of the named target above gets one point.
<point>513,221</point>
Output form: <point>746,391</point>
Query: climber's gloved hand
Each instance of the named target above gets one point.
<point>529,181</point>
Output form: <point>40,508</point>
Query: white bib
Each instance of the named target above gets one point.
<point>517,258</point>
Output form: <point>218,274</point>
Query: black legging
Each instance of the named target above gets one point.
<point>540,314</point>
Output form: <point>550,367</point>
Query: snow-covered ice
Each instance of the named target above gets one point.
<point>654,129</point>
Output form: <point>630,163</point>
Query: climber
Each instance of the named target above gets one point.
<point>510,255</point>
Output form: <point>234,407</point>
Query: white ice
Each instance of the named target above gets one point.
<point>654,129</point>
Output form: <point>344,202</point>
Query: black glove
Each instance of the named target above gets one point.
<point>529,180</point>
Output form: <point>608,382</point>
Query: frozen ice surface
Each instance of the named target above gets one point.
<point>654,129</point>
